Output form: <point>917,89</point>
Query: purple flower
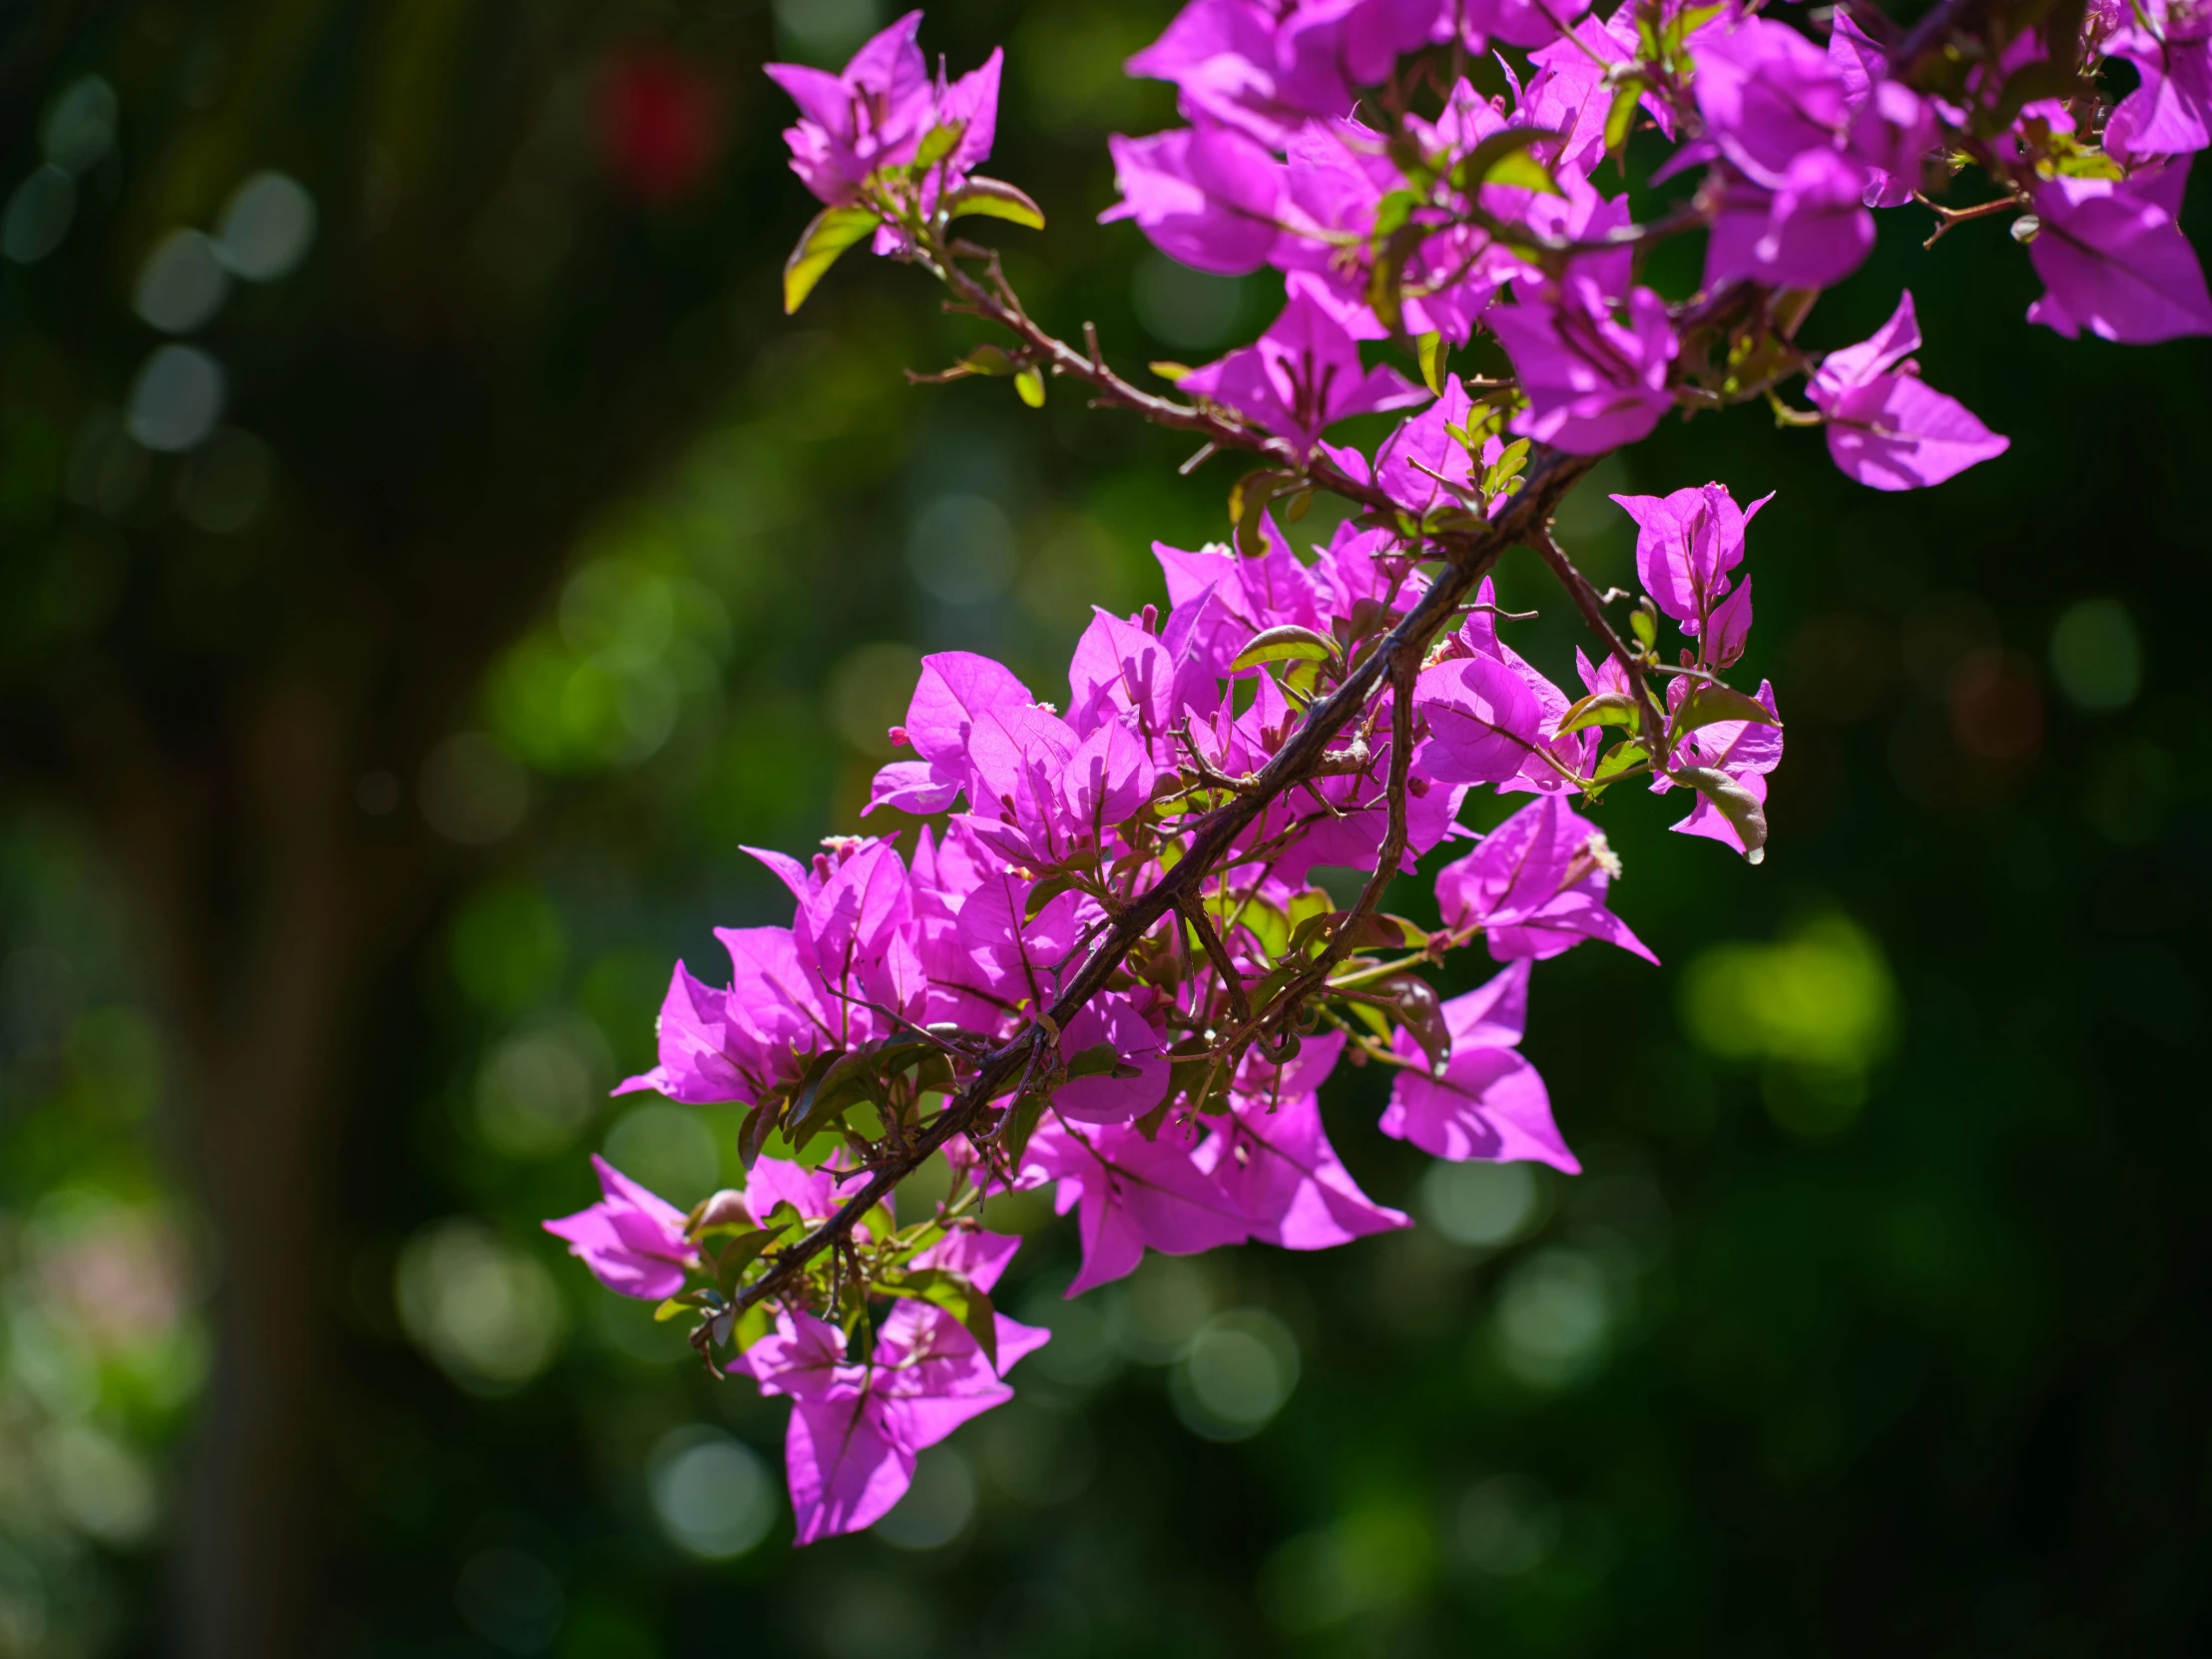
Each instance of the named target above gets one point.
<point>854,1429</point>
<point>1485,1102</point>
<point>1301,377</point>
<point>877,113</point>
<point>632,1240</point>
<point>1887,427</point>
<point>1809,232</point>
<point>1483,719</point>
<point>2114,258</point>
<point>2170,112</point>
<point>1130,1193</point>
<point>1768,96</point>
<point>1226,61</point>
<point>1536,886</point>
<point>1745,751</point>
<point>1270,1158</point>
<point>1520,22</point>
<point>956,689</point>
<point>1592,384</point>
<point>1573,92</point>
<point>1210,197</point>
<point>1111,1019</point>
<point>720,1045</point>
<point>1686,544</point>
<point>1421,464</point>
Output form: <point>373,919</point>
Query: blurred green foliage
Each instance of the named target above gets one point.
<point>1874,1323</point>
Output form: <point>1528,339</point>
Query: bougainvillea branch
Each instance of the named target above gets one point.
<point>1103,964</point>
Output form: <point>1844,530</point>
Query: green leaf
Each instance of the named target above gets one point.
<point>1099,1060</point>
<point>1618,760</point>
<point>1172,372</point>
<point>1030,383</point>
<point>1435,353</point>
<point>1247,502</point>
<point>1697,17</point>
<point>994,198</point>
<point>1391,214</point>
<point>1022,1122</point>
<point>936,144</point>
<point>842,1084</point>
<point>1525,170</point>
<point>1422,1015</point>
<point>1501,156</point>
<point>1264,921</point>
<point>1707,704</point>
<point>1734,802</point>
<point>1620,120</point>
<point>1643,622</point>
<point>760,1123</point>
<point>1608,708</point>
<point>1044,892</point>
<point>1286,642</point>
<point>957,1295</point>
<point>833,230</point>
<point>737,1255</point>
<point>676,1306</point>
<point>988,360</point>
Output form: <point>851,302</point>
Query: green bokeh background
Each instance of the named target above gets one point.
<point>1878,1322</point>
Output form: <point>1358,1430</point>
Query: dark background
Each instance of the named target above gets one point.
<point>366,762</point>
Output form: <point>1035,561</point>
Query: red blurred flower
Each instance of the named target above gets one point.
<point>659,124</point>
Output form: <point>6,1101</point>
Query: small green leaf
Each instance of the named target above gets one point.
<point>1172,372</point>
<point>1435,353</point>
<point>1286,642</point>
<point>1620,120</point>
<point>1481,165</point>
<point>994,198</point>
<point>936,144</point>
<point>1422,1015</point>
<point>1044,892</point>
<point>988,360</point>
<point>1609,708</point>
<point>1643,622</point>
<point>842,1084</point>
<point>760,1123</point>
<point>675,1307</point>
<point>1708,703</point>
<point>1099,1060</point>
<point>1030,383</point>
<point>1697,17</point>
<point>1248,503</point>
<point>737,1255</point>
<point>1022,1122</point>
<point>1618,760</point>
<point>833,230</point>
<point>1734,802</point>
<point>1266,925</point>
<point>1392,212</point>
<point>1386,284</point>
<point>1522,169</point>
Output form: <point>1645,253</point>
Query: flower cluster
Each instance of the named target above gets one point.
<point>1117,957</point>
